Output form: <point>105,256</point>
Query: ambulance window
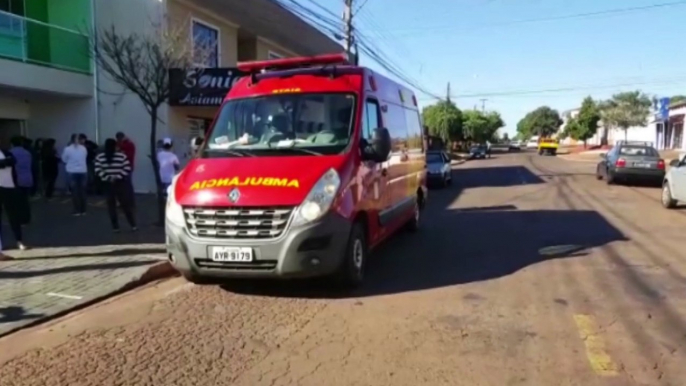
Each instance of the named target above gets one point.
<point>372,118</point>
<point>397,127</point>
<point>414,129</point>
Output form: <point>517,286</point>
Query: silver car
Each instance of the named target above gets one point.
<point>438,168</point>
<point>674,186</point>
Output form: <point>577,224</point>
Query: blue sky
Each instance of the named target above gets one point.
<point>481,47</point>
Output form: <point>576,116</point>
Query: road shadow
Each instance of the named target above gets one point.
<point>460,247</point>
<point>52,225</point>
<point>13,314</point>
<point>638,183</point>
<point>497,176</point>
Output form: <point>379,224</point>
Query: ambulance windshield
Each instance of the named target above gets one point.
<point>314,123</point>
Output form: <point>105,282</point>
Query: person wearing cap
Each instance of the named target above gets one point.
<point>168,164</point>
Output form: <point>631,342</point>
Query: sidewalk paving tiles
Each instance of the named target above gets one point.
<point>75,261</point>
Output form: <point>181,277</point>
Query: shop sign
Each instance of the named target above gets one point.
<point>201,86</point>
<point>662,109</point>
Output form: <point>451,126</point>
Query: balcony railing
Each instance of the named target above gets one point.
<point>35,42</point>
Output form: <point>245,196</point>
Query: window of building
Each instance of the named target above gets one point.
<point>205,44</point>
<point>273,55</point>
<point>11,25</point>
<point>15,7</point>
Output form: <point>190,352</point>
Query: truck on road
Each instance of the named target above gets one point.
<point>547,146</point>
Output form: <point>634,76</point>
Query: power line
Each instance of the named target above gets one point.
<point>681,79</point>
<point>364,2</point>
<point>552,18</point>
<point>355,37</point>
<point>394,72</point>
<point>328,25</point>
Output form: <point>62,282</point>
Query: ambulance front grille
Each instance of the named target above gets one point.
<point>237,222</point>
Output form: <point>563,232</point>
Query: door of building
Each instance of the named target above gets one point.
<point>678,141</point>
<point>10,128</point>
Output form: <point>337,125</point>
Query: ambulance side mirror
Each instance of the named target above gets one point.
<point>381,144</point>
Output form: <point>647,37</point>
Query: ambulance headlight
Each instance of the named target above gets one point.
<point>174,211</point>
<point>319,200</point>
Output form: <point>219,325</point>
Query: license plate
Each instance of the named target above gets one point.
<point>641,165</point>
<point>231,254</point>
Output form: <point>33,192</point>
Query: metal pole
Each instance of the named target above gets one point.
<point>348,20</point>
<point>96,74</point>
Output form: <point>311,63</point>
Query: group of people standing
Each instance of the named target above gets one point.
<point>24,167</point>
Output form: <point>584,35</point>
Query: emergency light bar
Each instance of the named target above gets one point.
<point>290,63</point>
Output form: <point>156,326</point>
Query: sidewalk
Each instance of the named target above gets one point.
<point>75,261</point>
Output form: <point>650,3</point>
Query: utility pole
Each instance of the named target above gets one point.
<point>483,104</point>
<point>348,20</point>
<point>447,94</point>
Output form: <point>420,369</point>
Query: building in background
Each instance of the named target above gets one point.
<point>670,132</point>
<point>46,76</point>
<point>566,116</point>
<point>49,87</point>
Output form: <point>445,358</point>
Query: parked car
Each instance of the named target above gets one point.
<point>438,167</point>
<point>478,152</point>
<point>631,162</point>
<point>532,144</point>
<point>515,146</point>
<point>674,185</point>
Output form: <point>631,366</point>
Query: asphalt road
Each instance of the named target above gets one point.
<point>527,271</point>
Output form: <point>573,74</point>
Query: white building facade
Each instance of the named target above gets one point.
<point>663,135</point>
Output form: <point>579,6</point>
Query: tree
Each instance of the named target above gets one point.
<point>474,125</point>
<point>478,126</point>
<point>585,125</point>
<point>140,64</point>
<point>677,99</point>
<point>495,123</point>
<point>444,120</point>
<point>506,137</point>
<point>626,110</point>
<point>543,122</point>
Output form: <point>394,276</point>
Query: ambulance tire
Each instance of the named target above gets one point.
<point>413,224</point>
<point>351,272</point>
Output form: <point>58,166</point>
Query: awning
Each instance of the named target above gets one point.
<point>271,20</point>
<point>676,119</point>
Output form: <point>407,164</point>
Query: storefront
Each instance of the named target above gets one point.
<point>195,96</point>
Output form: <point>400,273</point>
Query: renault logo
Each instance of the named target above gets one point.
<point>234,195</point>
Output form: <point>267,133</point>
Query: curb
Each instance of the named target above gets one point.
<point>156,271</point>
<point>457,162</point>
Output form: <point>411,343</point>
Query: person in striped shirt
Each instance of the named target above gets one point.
<point>113,168</point>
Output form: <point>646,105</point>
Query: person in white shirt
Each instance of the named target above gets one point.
<point>74,157</point>
<point>169,164</point>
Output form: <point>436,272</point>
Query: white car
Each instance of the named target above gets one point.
<point>532,144</point>
<point>674,186</point>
